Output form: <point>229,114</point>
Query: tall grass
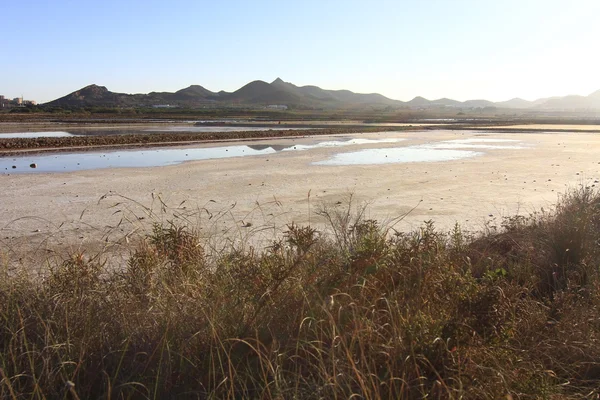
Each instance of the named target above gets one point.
<point>359,312</point>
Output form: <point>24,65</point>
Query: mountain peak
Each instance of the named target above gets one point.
<point>280,84</point>
<point>419,101</point>
<point>92,91</point>
<point>95,88</point>
<point>193,88</point>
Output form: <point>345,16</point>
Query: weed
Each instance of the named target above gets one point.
<point>356,312</point>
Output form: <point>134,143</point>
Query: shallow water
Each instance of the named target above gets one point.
<point>154,157</point>
<point>339,143</point>
<point>33,135</point>
<point>68,162</point>
<point>446,150</point>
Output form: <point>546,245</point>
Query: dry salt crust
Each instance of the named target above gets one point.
<point>251,199</point>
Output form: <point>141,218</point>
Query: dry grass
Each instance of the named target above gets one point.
<point>356,313</point>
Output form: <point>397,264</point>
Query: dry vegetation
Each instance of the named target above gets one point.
<point>359,312</point>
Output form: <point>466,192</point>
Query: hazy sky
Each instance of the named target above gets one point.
<point>462,49</point>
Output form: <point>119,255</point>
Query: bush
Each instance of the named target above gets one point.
<point>355,313</point>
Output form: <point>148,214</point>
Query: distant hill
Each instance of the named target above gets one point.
<point>263,93</point>
<point>260,94</point>
<point>478,104</point>
<point>256,93</point>
<point>100,96</point>
<point>419,102</point>
<point>285,93</point>
<point>590,102</point>
<point>595,95</point>
<point>93,94</point>
<point>515,103</point>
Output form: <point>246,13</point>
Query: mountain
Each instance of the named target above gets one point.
<point>100,96</point>
<point>478,104</point>
<point>285,92</point>
<point>572,102</point>
<point>595,95</point>
<point>419,102</point>
<point>514,103</point>
<point>92,94</point>
<point>261,94</point>
<point>446,102</point>
<point>194,91</point>
<point>550,103</point>
<point>253,94</point>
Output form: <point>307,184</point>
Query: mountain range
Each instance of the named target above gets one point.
<point>278,92</point>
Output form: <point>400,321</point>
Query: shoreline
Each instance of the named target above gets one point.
<point>11,146</point>
<point>130,140</point>
<point>65,208</point>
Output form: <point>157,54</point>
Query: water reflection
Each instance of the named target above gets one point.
<point>154,157</point>
<point>33,135</point>
<point>448,150</point>
<point>331,143</point>
<point>68,162</point>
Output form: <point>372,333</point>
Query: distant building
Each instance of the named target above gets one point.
<point>278,106</point>
<point>16,102</point>
<point>162,106</point>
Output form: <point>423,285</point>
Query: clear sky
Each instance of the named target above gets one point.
<point>462,49</point>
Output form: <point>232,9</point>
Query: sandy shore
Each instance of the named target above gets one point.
<point>252,198</point>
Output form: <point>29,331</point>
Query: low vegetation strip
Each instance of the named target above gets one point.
<point>359,311</point>
<point>8,145</point>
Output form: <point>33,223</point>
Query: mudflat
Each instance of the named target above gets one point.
<point>552,127</point>
<point>257,196</point>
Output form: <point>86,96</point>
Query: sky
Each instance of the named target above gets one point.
<point>460,49</point>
